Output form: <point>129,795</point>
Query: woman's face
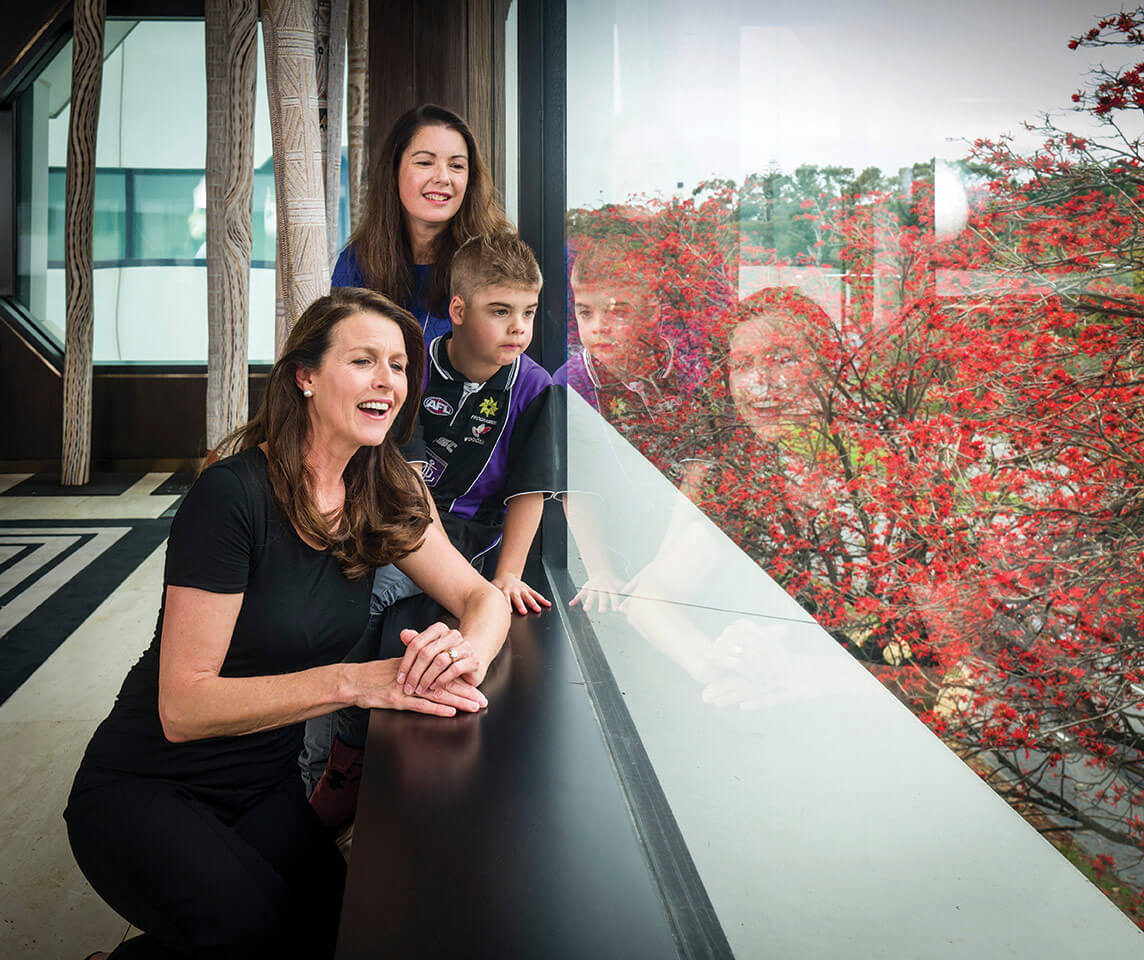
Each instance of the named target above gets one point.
<point>770,384</point>
<point>432,176</point>
<point>360,385</point>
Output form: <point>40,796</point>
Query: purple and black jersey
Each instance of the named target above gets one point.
<point>484,443</point>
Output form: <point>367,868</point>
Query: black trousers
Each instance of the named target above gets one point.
<point>205,875</point>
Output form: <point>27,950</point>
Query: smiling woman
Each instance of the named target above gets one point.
<point>429,192</point>
<point>359,388</point>
<point>187,814</point>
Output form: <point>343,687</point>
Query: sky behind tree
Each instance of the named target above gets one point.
<point>667,92</point>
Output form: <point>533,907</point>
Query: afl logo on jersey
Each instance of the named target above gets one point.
<point>438,406</point>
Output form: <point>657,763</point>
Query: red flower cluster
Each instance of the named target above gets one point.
<point>935,442</point>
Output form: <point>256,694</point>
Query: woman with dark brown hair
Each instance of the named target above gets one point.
<point>187,814</point>
<point>429,192</point>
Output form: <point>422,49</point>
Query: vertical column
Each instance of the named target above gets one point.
<point>87,75</point>
<point>303,267</point>
<point>335,82</point>
<point>357,106</point>
<point>480,86</point>
<point>231,48</point>
<point>34,235</point>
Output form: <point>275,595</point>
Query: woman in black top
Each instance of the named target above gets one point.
<point>187,814</point>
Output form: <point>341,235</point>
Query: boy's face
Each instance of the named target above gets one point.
<point>615,324</point>
<point>495,325</point>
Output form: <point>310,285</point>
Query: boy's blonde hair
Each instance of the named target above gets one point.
<point>492,260</point>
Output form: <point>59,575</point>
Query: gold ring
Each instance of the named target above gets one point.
<point>453,655</point>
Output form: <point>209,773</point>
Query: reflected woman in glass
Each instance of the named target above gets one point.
<point>770,377</point>
<point>187,814</point>
<point>758,483</point>
<point>755,478</point>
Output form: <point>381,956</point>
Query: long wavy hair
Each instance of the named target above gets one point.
<point>385,513</point>
<point>381,242</point>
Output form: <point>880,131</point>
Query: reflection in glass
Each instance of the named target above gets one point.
<point>913,398</point>
<point>169,219</point>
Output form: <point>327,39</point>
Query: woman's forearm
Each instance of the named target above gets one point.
<point>484,622</point>
<point>192,708</point>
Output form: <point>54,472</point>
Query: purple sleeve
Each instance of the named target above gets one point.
<point>346,271</point>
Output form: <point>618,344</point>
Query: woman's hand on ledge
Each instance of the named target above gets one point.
<point>435,658</point>
<point>378,687</point>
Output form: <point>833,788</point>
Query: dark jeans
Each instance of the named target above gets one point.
<point>210,876</point>
<point>391,610</point>
<point>383,643</point>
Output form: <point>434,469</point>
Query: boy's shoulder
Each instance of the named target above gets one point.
<point>523,374</point>
<point>531,374</point>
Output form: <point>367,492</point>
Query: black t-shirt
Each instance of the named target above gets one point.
<point>298,611</point>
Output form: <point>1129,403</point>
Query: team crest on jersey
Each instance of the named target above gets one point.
<point>441,408</point>
<point>434,467</point>
<point>488,407</point>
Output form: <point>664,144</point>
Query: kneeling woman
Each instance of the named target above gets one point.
<point>188,815</point>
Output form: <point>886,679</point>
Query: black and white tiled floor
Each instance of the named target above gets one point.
<point>80,577</point>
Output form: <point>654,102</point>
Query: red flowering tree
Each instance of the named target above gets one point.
<point>942,456</point>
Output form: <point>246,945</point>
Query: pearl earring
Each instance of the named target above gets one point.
<point>307,393</point>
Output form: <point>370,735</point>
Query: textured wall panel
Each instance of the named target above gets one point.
<point>303,266</point>
<point>357,106</point>
<point>87,75</point>
<point>231,49</point>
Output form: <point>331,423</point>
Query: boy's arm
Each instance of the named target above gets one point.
<point>521,519</point>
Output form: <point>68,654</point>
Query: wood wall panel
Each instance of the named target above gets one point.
<point>87,78</point>
<point>443,52</point>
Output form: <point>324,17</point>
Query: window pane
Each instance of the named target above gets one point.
<point>854,393</point>
<point>169,215</point>
<point>108,224</point>
<point>150,198</point>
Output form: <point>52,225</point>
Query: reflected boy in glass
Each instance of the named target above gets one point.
<point>628,371</point>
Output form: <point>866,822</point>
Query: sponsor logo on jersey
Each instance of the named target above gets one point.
<point>481,429</point>
<point>441,408</point>
<point>434,467</point>
<point>488,407</point>
<point>445,442</point>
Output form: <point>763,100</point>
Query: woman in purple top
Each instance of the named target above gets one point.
<point>429,191</point>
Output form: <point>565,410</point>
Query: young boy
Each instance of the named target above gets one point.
<point>486,416</point>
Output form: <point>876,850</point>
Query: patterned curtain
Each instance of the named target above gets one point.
<point>303,264</point>
<point>231,50</point>
<point>87,75</point>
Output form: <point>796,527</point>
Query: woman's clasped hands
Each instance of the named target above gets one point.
<point>438,675</point>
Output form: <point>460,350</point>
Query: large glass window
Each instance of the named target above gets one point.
<point>855,395</point>
<point>150,199</point>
